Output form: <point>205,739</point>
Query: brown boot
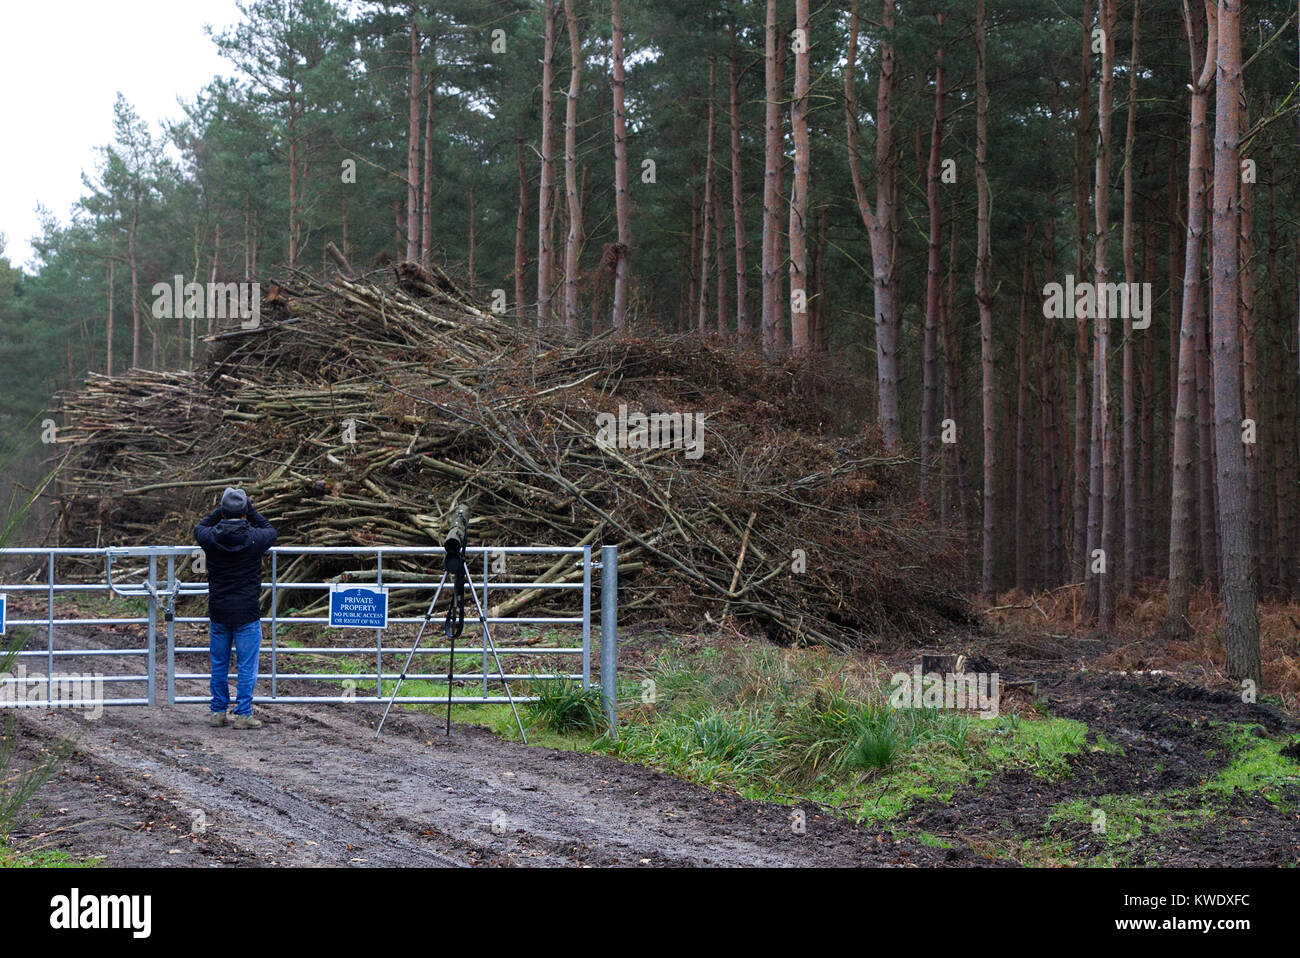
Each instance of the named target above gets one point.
<point>246,721</point>
<point>216,719</point>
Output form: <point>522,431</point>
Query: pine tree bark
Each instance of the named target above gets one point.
<point>1183,493</point>
<point>879,221</point>
<point>621,197</point>
<point>1082,362</point>
<point>1207,495</point>
<point>1249,376</point>
<point>108,332</point>
<point>133,265</point>
<point>799,293</point>
<point>1241,621</point>
<point>1049,418</point>
<point>426,203</point>
<point>706,241</point>
<point>1132,525</point>
<point>413,145</point>
<point>720,280</point>
<point>1104,572</point>
<point>1149,517</point>
<point>521,229</point>
<point>573,240</point>
<point>1024,521</point>
<point>743,332</point>
<point>984,296</point>
<point>929,348</point>
<point>770,330</point>
<point>546,184</point>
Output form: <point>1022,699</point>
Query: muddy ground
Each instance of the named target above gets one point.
<point>159,786</point>
<point>1166,728</point>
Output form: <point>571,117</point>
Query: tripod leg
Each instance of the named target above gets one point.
<point>414,645</point>
<point>482,620</point>
<point>451,661</point>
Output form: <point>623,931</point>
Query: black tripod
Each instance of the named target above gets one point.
<point>454,624</point>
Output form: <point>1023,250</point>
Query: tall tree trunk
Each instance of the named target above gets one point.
<point>108,357</point>
<point>624,248</point>
<point>952,350</point>
<point>1149,517</point>
<point>521,228</point>
<point>413,146</point>
<point>819,333</point>
<point>929,349</point>
<point>778,222</point>
<point>135,287</point>
<point>1132,526</point>
<point>1184,460</point>
<point>743,331</point>
<point>1280,417</point>
<point>984,296</point>
<point>573,241</point>
<point>295,188</point>
<point>706,241</point>
<point>720,282</point>
<point>546,186</point>
<point>879,221</point>
<point>771,193</point>
<point>426,204</point>
<point>1024,428</point>
<point>1241,621</point>
<point>799,294</point>
<point>473,242</point>
<point>688,316</point>
<point>1082,363</point>
<point>1049,389</point>
<point>1104,573</point>
<point>1249,377</point>
<point>1207,494</point>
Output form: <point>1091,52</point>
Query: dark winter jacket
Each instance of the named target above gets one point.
<point>234,550</point>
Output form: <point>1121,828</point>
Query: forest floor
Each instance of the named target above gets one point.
<point>1106,767</point>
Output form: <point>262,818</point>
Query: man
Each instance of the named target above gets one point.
<point>234,537</point>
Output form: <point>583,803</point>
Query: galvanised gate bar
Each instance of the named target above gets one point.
<point>154,578</point>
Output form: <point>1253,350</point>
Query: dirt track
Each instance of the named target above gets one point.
<point>159,786</point>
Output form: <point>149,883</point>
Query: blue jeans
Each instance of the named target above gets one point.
<point>247,639</point>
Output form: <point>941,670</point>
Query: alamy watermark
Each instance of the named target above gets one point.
<point>656,430</point>
<point>974,691</point>
<point>20,690</point>
<point>177,299</point>
<point>1073,300</point>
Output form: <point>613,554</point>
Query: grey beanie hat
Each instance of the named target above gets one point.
<point>234,502</point>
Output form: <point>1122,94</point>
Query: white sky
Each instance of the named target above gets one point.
<point>61,66</point>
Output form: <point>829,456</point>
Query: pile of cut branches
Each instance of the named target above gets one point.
<point>361,410</point>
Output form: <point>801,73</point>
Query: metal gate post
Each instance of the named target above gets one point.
<point>275,598</point>
<point>609,631</point>
<point>586,618</point>
<point>483,629</point>
<point>49,638</point>
<point>153,628</point>
<point>173,591</point>
<point>379,633</point>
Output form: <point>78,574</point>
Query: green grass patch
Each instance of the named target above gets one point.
<point>792,725</point>
<point>17,858</point>
<point>1256,765</point>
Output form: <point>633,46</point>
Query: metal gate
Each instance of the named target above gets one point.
<point>151,575</point>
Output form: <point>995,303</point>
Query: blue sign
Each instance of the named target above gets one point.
<point>4,608</point>
<point>358,606</point>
